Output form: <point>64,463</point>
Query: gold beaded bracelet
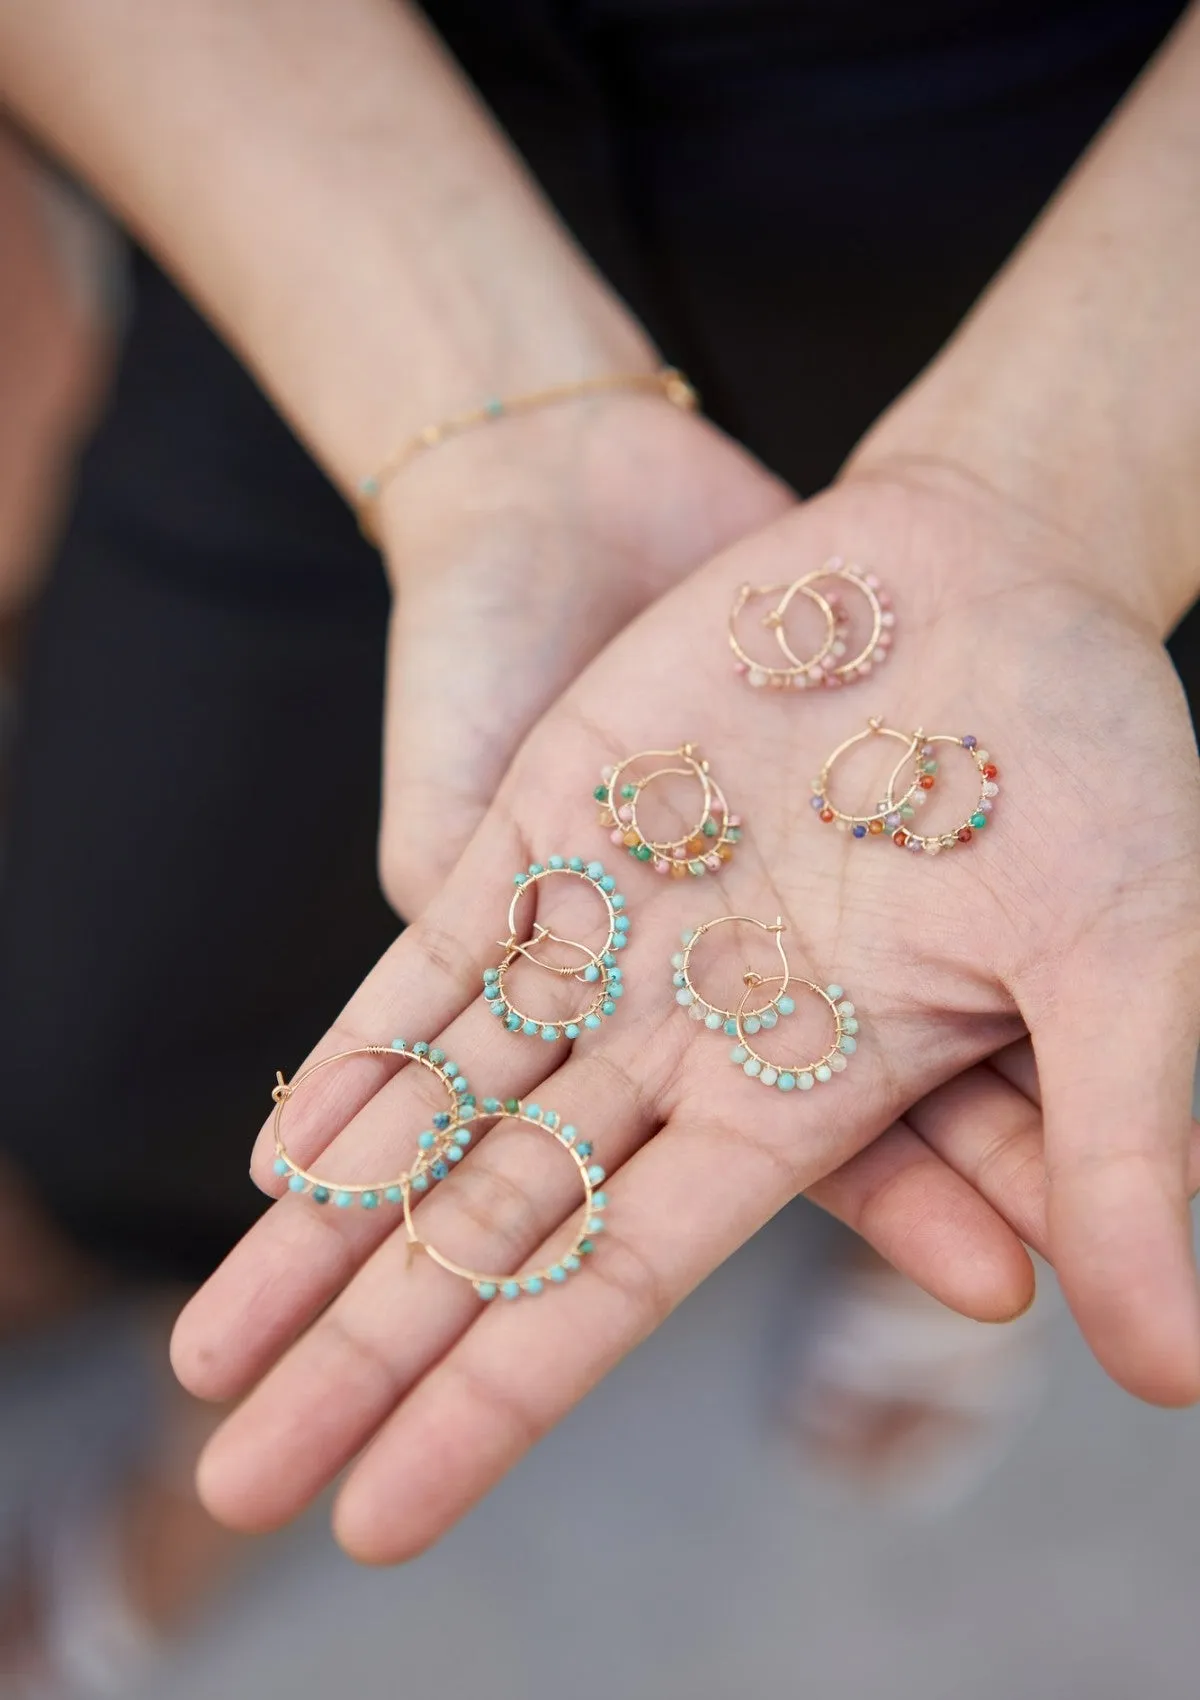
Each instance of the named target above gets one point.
<point>668,382</point>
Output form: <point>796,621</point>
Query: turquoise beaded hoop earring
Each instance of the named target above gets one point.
<point>591,1221</point>
<point>437,1148</point>
<point>712,1015</point>
<point>599,969</point>
<point>790,1076</point>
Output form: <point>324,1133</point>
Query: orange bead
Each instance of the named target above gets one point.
<point>725,851</point>
<point>631,840</point>
<point>927,782</point>
<point>990,770</point>
<point>964,835</point>
<point>875,826</point>
<point>678,870</point>
<point>900,838</point>
<point>826,814</point>
<point>695,846</point>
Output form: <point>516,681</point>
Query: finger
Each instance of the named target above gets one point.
<point>1116,1047</point>
<point>683,1203</point>
<point>932,1224</point>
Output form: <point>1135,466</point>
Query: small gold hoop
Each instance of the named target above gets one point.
<point>796,675</point>
<point>934,843</point>
<point>875,650</point>
<point>887,817</point>
<point>791,1076</point>
<point>698,1008</point>
<point>434,1146</point>
<point>534,1281</point>
<point>599,968</point>
<point>702,849</point>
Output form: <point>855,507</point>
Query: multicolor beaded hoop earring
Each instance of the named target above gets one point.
<point>934,843</point>
<point>703,848</point>
<point>892,811</point>
<point>713,1016</point>
<point>599,969</point>
<point>437,1148</point>
<point>874,651</point>
<point>792,674</point>
<point>790,1076</point>
<point>828,665</point>
<point>591,1222</point>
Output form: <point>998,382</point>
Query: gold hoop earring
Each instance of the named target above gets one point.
<point>599,969</point>
<point>893,810</point>
<point>437,1148</point>
<point>489,1286</point>
<point>713,1016</point>
<point>793,674</point>
<point>934,843</point>
<point>828,666</point>
<point>703,848</point>
<point>804,1076</point>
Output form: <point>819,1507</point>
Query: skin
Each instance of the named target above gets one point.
<point>1003,500</point>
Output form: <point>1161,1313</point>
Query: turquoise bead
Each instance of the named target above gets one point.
<point>513,1023</point>
<point>786,1082</point>
<point>621,923</point>
<point>591,1021</point>
<point>520,879</point>
<point>437,1056</point>
<point>751,1024</point>
<point>555,862</point>
<point>557,1273</point>
<point>550,1118</point>
<point>486,1289</point>
<point>595,870</point>
<point>576,864</point>
<point>848,1043</point>
<point>454,1154</point>
<point>296,1183</point>
<point>850,1024</point>
<point>395,1195</point>
<point>529,1027</point>
<point>570,1264</point>
<point>805,1081</point>
<point>599,1201</point>
<point>731,1029</point>
<point>571,1030</point>
<point>584,1148</point>
<point>752,1066</point>
<point>568,1134</point>
<point>595,1174</point>
<point>738,1054</point>
<point>824,1072</point>
<point>608,959</point>
<point>607,1007</point>
<point>616,973</point>
<point>442,1120</point>
<point>344,1200</point>
<point>420,1183</point>
<point>785,1005</point>
<point>492,1106</point>
<point>549,1033</point>
<point>595,1225</point>
<point>615,991</point>
<point>535,868</point>
<point>421,1048</point>
<point>370,1201</point>
<point>427,1141</point>
<point>511,1290</point>
<point>320,1195</point>
<point>979,821</point>
<point>282,1166</point>
<point>493,407</point>
<point>460,1084</point>
<point>534,1112</point>
<point>712,1021</point>
<point>534,1284</point>
<point>463,1136</point>
<point>834,992</point>
<point>498,1007</point>
<point>586,1247</point>
<point>591,972</point>
<point>397,1044</point>
<point>491,973</point>
<point>438,1170</point>
<point>608,883</point>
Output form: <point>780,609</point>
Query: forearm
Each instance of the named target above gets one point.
<point>1074,386</point>
<point>328,188</point>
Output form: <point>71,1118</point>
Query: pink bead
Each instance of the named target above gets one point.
<point>713,863</point>
<point>870,579</point>
<point>616,836</point>
<point>883,599</point>
<point>832,682</point>
<point>625,813</point>
<point>734,820</point>
<point>740,667</point>
<point>885,640</point>
<point>661,865</point>
<point>680,853</point>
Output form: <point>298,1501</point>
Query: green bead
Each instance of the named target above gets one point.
<point>643,852</point>
<point>929,767</point>
<point>979,821</point>
<point>710,829</point>
<point>512,1106</point>
<point>629,792</point>
<point>601,793</point>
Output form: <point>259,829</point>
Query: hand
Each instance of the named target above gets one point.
<point>1075,916</point>
<point>516,552</point>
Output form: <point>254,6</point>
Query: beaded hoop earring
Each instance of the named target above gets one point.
<point>591,1222</point>
<point>713,1016</point>
<point>892,811</point>
<point>437,1148</point>
<point>874,651</point>
<point>934,843</point>
<point>700,850</point>
<point>789,1076</point>
<point>599,970</point>
<point>793,674</point>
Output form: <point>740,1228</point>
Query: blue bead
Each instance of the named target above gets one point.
<point>572,1030</point>
<point>486,1289</point>
<point>513,1023</point>
<point>555,862</point>
<point>570,1264</point>
<point>370,1201</point>
<point>395,1195</point>
<point>520,879</point>
<point>320,1195</point>
<point>731,1029</point>
<point>617,991</point>
<point>621,923</point>
<point>536,868</point>
<point>492,1106</point>
<point>534,1112</point>
<point>576,864</point>
<point>296,1183</point>
<point>595,870</point>
<point>344,1200</point>
<point>442,1119</point>
<point>858,831</point>
<point>595,1174</point>
<point>569,1133</point>
<point>557,1273</point>
<point>584,1148</point>
<point>511,1290</point>
<point>618,902</point>
<point>534,1284</point>
<point>282,1166</point>
<point>427,1141</point>
<point>591,1021</point>
<point>454,1154</point>
<point>607,1007</point>
<point>529,1027</point>
<point>438,1170</point>
<point>786,1082</point>
<point>420,1183</point>
<point>599,1201</point>
<point>459,1084</point>
<point>591,972</point>
<point>608,883</point>
<point>550,1118</point>
<point>596,1225</point>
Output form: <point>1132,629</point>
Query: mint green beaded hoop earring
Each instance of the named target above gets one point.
<point>805,1075</point>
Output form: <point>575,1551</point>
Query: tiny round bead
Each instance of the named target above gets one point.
<point>296,1183</point>
<point>486,1289</point>
<point>370,1201</point>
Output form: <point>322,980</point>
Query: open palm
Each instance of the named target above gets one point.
<point>1073,916</point>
